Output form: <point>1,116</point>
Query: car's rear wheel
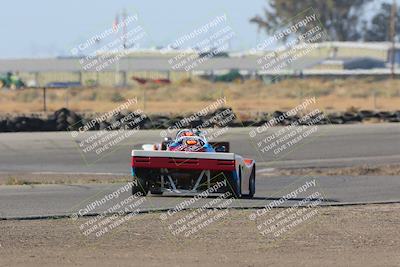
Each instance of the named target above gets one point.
<point>140,185</point>
<point>252,183</point>
<point>234,186</point>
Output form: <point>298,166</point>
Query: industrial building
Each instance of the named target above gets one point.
<point>325,58</point>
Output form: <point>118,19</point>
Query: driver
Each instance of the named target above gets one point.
<point>190,140</point>
<point>187,132</point>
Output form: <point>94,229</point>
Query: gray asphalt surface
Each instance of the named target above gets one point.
<point>340,145</point>
<point>330,146</point>
<point>61,200</point>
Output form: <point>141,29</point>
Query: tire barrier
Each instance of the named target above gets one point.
<point>65,120</point>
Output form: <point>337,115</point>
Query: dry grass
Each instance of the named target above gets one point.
<point>332,95</point>
<point>12,180</point>
<point>358,170</point>
<point>34,178</point>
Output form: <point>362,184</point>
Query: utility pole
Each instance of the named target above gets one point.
<point>44,99</point>
<point>124,47</point>
<point>124,39</point>
<point>393,18</point>
<point>124,30</point>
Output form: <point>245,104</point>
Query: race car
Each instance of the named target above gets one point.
<point>190,164</point>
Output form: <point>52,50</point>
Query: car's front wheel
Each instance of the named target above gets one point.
<point>156,191</point>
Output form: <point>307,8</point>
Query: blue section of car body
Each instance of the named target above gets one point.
<point>207,147</point>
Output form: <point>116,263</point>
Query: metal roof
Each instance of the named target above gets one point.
<point>141,64</point>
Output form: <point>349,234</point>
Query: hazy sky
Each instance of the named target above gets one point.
<point>44,28</point>
<point>50,28</point>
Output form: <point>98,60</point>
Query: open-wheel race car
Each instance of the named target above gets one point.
<point>190,164</point>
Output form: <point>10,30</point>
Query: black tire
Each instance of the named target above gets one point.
<point>252,183</point>
<point>156,192</point>
<point>140,185</point>
<point>234,188</point>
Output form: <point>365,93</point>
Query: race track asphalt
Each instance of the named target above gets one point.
<point>329,146</point>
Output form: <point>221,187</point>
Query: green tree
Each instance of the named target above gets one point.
<point>379,29</point>
<point>341,18</point>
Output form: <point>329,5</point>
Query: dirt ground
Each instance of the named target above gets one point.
<point>29,178</point>
<point>365,235</point>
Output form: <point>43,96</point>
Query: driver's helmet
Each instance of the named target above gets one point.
<point>190,143</point>
<point>187,132</point>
